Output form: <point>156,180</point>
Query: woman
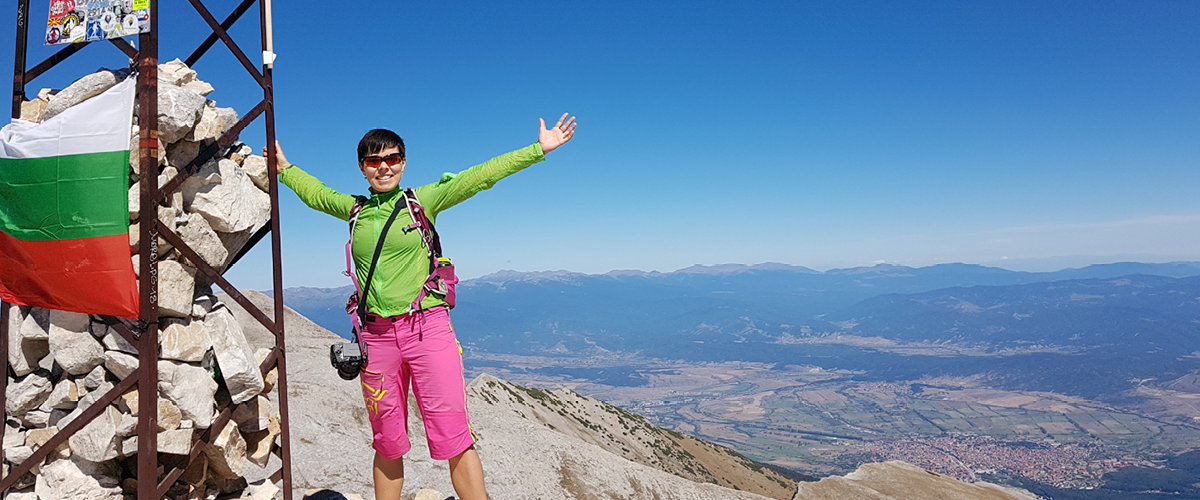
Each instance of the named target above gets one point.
<point>417,347</point>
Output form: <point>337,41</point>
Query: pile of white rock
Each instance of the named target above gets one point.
<point>64,362</point>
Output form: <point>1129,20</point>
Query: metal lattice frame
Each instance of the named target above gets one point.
<point>143,332</point>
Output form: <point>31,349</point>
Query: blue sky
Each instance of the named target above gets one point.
<point>833,134</point>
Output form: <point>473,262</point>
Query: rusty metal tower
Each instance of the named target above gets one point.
<point>142,332</point>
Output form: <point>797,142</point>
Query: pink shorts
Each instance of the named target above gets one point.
<point>419,348</point>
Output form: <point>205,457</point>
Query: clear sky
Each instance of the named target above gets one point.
<point>829,134</point>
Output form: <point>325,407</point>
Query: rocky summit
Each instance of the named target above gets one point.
<point>538,444</point>
<point>65,362</point>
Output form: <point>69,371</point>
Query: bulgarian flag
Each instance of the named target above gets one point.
<point>64,208</point>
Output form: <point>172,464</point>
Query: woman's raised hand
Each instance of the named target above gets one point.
<point>281,161</point>
<point>559,134</point>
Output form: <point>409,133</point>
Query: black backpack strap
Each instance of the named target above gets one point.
<point>362,302</point>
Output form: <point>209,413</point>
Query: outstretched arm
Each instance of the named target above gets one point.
<point>453,189</point>
<point>311,191</point>
<point>552,138</point>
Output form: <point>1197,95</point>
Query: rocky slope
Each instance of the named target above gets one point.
<point>546,444</point>
<point>896,480</point>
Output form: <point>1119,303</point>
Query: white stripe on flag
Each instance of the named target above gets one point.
<point>98,125</point>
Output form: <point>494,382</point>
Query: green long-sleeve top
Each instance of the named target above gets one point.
<point>404,262</point>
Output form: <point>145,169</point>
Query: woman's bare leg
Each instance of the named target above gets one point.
<point>389,477</point>
<point>466,473</point>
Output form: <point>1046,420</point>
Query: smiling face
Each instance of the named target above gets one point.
<point>384,178</point>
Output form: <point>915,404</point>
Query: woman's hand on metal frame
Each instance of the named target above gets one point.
<point>281,161</point>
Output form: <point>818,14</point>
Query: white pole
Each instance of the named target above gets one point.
<point>269,49</point>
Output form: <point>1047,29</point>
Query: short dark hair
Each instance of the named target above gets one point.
<point>378,140</point>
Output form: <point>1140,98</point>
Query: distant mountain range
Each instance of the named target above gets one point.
<point>769,290</point>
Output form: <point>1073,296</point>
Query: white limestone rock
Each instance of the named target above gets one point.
<point>72,344</point>
<point>176,284</point>
<point>169,416</point>
<point>209,126</point>
<point>26,341</point>
<point>36,325</point>
<point>183,152</point>
<point>128,425</point>
<point>129,446</point>
<point>13,436</point>
<point>234,354</point>
<point>201,305</point>
<point>259,443</point>
<point>27,393</point>
<point>223,193</point>
<point>256,167</point>
<point>199,87</point>
<point>183,340</point>
<point>272,376</point>
<point>253,415</point>
<point>63,479</point>
<point>32,111</point>
<point>175,73</point>
<point>114,341</point>
<point>191,389</point>
<point>201,238</point>
<point>95,378</point>
<point>96,442</point>
<point>234,242</point>
<point>175,442</point>
<point>178,111</point>
<point>229,118</point>
<point>227,453</point>
<point>83,89</point>
<point>120,364</point>
<point>85,402</point>
<point>64,396</point>
<point>37,419</point>
<point>17,455</point>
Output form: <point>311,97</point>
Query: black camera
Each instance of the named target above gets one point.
<point>348,358</point>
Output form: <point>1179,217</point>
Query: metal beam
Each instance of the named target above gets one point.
<point>147,372</point>
<point>19,77</point>
<point>225,25</point>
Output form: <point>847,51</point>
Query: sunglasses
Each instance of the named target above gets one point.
<point>374,161</point>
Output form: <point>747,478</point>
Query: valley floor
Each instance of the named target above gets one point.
<point>822,422</point>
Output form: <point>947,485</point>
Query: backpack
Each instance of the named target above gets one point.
<point>441,280</point>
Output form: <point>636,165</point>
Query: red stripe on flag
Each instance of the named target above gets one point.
<point>88,275</point>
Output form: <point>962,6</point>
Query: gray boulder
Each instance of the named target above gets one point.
<point>176,284</point>
<point>95,442</point>
<point>191,389</point>
<point>234,355</point>
<point>72,344</point>
<point>27,393</point>
<point>63,479</point>
<point>226,197</point>
<point>83,89</point>
<point>26,341</point>
<point>120,364</point>
<point>178,111</point>
<point>183,340</point>
<point>200,237</point>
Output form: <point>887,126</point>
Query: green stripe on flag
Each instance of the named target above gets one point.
<point>65,197</point>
